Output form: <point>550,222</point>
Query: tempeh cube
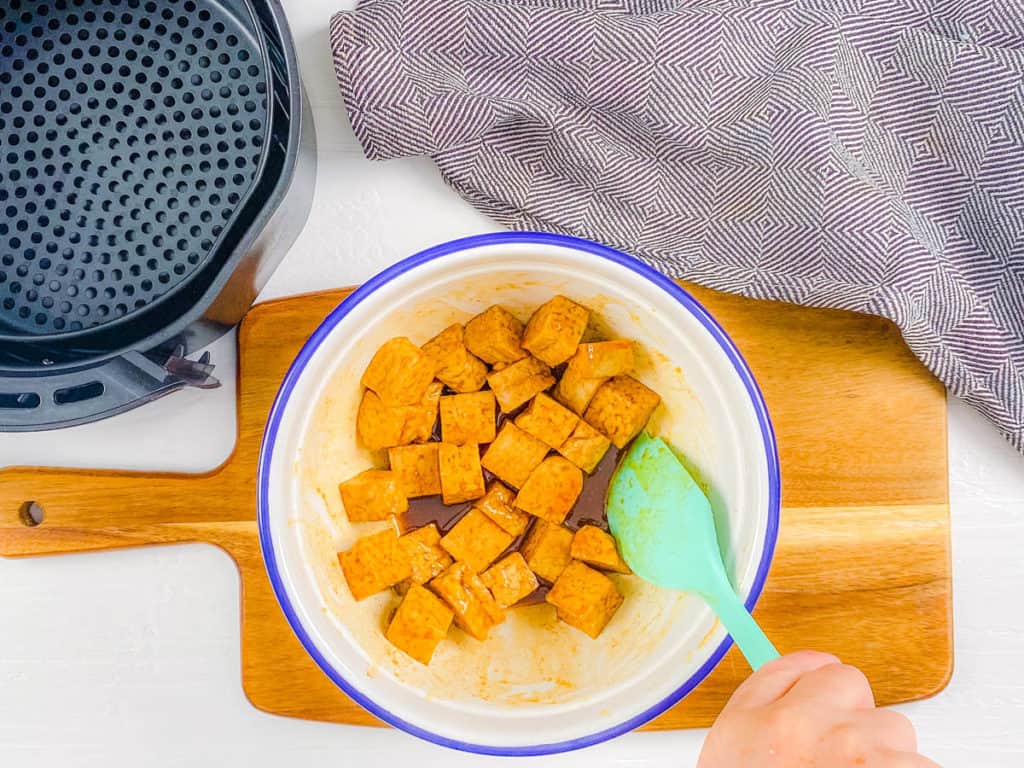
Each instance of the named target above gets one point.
<point>383,426</point>
<point>621,408</point>
<point>468,418</point>
<point>379,425</point>
<point>585,598</point>
<point>417,469</point>
<point>426,557</point>
<point>597,548</point>
<point>510,580</point>
<point>520,381</point>
<point>603,359</point>
<point>555,330</point>
<point>420,623</point>
<point>497,505</point>
<point>399,372</point>
<point>419,424</point>
<point>375,494</point>
<point>374,563</point>
<point>548,421</point>
<point>456,366</point>
<point>475,608</point>
<point>513,455</point>
<point>585,447</point>
<point>461,476</point>
<point>494,336</point>
<point>574,391</point>
<point>476,540</point>
<point>551,489</point>
<point>546,549</point>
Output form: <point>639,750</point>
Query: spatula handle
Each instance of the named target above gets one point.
<point>748,635</point>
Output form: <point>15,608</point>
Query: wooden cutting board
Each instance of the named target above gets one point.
<point>862,567</point>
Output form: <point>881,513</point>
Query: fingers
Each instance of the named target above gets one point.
<point>890,729</point>
<point>836,685</point>
<point>772,681</point>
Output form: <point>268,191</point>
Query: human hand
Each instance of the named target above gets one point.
<point>808,710</point>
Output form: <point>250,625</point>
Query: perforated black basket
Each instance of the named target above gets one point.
<point>144,145</point>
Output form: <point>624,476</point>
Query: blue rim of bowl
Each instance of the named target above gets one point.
<point>389,274</point>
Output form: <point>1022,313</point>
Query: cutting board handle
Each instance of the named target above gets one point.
<point>50,511</point>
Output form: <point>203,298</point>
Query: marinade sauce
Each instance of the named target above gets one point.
<point>588,510</point>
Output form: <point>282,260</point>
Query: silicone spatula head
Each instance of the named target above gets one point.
<point>665,529</point>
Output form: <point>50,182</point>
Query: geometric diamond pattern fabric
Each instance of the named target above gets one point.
<point>863,154</point>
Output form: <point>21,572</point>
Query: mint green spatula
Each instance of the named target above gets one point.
<point>666,533</point>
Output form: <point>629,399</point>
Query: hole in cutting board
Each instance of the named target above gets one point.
<point>31,513</point>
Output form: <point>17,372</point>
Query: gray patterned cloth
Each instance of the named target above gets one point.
<point>863,154</point>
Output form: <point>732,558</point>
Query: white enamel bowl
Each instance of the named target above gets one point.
<point>536,686</point>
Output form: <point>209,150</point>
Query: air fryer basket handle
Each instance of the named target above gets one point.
<point>67,399</point>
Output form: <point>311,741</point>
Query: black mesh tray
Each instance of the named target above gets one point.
<point>143,144</point>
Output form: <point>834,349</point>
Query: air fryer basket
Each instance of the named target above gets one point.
<point>144,146</point>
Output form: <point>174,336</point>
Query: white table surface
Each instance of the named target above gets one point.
<point>132,658</point>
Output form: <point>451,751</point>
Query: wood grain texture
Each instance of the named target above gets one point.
<point>862,567</point>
